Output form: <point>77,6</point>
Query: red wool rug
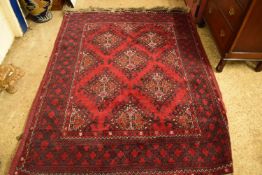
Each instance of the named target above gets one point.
<point>126,93</point>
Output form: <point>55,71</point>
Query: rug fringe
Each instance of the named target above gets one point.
<point>135,10</point>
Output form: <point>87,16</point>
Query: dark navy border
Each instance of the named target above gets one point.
<point>19,15</point>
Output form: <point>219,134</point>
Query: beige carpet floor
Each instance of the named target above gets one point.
<point>241,88</point>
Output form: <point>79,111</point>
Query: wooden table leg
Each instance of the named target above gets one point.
<point>259,67</point>
<point>201,23</point>
<point>221,65</point>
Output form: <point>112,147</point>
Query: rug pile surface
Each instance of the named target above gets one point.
<point>126,93</point>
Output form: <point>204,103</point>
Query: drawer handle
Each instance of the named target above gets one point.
<point>231,11</point>
<point>222,33</point>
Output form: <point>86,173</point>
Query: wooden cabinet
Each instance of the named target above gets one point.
<point>236,26</point>
<point>196,9</point>
<point>58,4</point>
<point>220,29</point>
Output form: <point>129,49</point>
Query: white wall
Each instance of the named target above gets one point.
<point>9,27</point>
<point>6,36</point>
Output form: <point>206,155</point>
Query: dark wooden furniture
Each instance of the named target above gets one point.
<point>58,4</point>
<point>237,28</point>
<point>196,9</point>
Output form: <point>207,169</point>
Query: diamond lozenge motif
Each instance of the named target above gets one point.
<point>131,61</point>
<point>107,41</point>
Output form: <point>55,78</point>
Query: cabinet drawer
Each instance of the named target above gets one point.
<point>218,26</point>
<point>232,11</point>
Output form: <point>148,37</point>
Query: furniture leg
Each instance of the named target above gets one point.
<point>201,23</point>
<point>221,65</point>
<point>259,67</point>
